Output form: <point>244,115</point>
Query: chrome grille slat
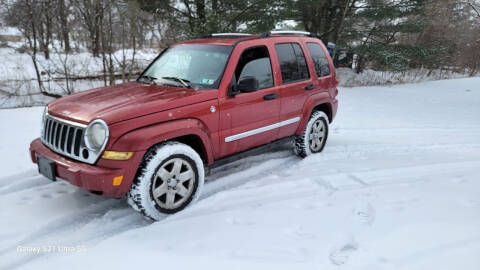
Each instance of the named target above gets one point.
<point>73,141</point>
<point>52,123</point>
<point>66,138</point>
<point>54,134</point>
<point>57,135</point>
<point>62,137</point>
<point>49,126</point>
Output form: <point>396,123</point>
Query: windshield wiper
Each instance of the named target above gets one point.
<point>182,81</point>
<point>149,79</point>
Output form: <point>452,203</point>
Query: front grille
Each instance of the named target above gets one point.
<point>66,138</point>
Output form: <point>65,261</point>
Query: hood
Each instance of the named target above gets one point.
<point>124,101</point>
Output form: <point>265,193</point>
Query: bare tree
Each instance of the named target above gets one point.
<point>28,23</point>
<point>91,12</point>
<point>474,4</point>
<point>63,13</point>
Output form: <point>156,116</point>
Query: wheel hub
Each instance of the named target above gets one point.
<point>172,182</point>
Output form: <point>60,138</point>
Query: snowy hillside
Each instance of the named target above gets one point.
<point>397,187</point>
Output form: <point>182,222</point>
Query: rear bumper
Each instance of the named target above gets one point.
<point>334,108</point>
<point>98,178</point>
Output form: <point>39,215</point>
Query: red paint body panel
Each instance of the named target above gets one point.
<point>246,111</point>
<point>141,115</point>
<point>98,178</point>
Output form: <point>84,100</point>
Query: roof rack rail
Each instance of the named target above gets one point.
<point>227,35</point>
<point>288,32</point>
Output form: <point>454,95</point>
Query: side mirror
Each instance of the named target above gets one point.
<point>247,85</point>
<point>232,90</point>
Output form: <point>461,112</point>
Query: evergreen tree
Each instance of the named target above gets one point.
<point>200,17</point>
<point>383,33</point>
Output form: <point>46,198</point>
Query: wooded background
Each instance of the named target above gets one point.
<point>393,35</point>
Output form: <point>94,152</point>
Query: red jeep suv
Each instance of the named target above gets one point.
<point>200,103</point>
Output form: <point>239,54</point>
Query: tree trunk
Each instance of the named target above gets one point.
<point>64,25</point>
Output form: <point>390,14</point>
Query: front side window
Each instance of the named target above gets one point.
<point>319,59</point>
<point>201,66</point>
<point>255,62</point>
<point>292,62</point>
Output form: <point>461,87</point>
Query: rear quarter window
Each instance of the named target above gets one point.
<point>319,59</point>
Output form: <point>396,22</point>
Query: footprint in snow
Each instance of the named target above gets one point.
<point>298,231</point>
<point>458,180</point>
<point>340,255</point>
<point>239,222</point>
<point>474,203</point>
<point>364,213</point>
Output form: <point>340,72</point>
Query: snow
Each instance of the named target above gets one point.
<point>10,31</point>
<point>369,77</point>
<point>19,66</point>
<point>19,87</point>
<point>395,188</point>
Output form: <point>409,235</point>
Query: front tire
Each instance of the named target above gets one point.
<point>170,178</point>
<point>314,137</point>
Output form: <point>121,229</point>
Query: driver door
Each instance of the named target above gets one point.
<point>249,119</point>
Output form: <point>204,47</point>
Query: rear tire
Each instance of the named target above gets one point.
<point>314,136</point>
<point>170,178</point>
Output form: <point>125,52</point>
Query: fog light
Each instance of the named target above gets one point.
<point>114,155</point>
<point>117,180</point>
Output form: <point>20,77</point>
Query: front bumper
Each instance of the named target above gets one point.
<point>97,179</point>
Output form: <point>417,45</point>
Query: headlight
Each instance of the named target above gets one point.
<point>96,135</point>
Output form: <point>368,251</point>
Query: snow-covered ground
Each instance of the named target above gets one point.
<point>397,187</point>
<point>369,77</point>
<point>18,81</point>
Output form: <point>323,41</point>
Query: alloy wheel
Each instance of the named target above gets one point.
<point>173,183</point>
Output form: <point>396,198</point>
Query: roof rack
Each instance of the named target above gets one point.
<point>228,35</point>
<point>287,32</point>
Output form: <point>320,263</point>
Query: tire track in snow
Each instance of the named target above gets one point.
<point>256,196</point>
<point>229,176</point>
<point>87,221</point>
<point>83,227</point>
<point>25,184</point>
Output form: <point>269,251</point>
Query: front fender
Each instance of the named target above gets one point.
<point>312,102</point>
<point>143,138</point>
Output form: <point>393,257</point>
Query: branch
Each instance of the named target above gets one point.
<point>233,20</point>
<point>473,6</point>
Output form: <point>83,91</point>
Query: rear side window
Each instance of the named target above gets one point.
<point>319,59</point>
<point>292,62</point>
<point>255,62</point>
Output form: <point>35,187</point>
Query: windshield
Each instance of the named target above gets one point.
<point>190,66</point>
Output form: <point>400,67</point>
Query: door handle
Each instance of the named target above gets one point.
<point>270,97</point>
<point>309,87</point>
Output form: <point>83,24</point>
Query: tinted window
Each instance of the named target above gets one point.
<point>319,59</point>
<point>292,62</point>
<point>255,62</point>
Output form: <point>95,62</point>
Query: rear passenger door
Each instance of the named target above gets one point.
<point>297,85</point>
